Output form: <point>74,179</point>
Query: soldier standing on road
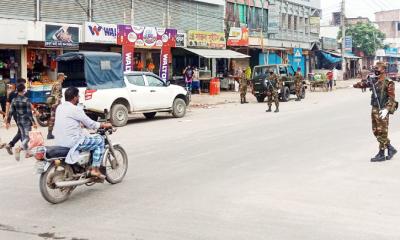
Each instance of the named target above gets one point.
<point>273,90</point>
<point>55,100</point>
<point>385,91</point>
<point>242,86</point>
<point>298,82</point>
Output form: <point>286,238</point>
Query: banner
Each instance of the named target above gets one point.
<point>100,33</point>
<point>128,60</point>
<point>181,40</point>
<point>238,37</point>
<point>206,39</point>
<point>61,36</point>
<point>348,44</point>
<point>165,57</point>
<point>145,37</point>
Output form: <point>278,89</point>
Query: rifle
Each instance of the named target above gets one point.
<point>371,80</point>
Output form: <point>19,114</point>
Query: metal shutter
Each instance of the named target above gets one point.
<point>21,9</point>
<point>149,13</point>
<point>117,11</point>
<point>211,17</point>
<point>183,15</point>
<point>65,11</point>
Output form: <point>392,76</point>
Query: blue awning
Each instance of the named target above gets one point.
<point>331,58</point>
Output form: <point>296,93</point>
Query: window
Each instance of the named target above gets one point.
<point>282,70</point>
<point>154,82</point>
<point>398,27</point>
<point>289,22</point>
<point>295,22</point>
<point>136,80</point>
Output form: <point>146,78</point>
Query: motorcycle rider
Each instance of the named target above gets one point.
<point>68,132</point>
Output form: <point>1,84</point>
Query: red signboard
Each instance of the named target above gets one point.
<point>238,37</point>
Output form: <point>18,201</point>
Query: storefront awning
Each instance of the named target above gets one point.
<point>216,53</point>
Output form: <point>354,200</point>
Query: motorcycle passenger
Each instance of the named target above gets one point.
<point>68,132</point>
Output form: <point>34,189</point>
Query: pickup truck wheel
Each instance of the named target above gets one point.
<point>285,94</point>
<point>179,108</point>
<point>149,115</point>
<point>303,93</point>
<point>260,99</point>
<point>119,115</point>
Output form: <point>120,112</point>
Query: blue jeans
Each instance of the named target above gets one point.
<point>94,143</point>
<point>24,131</point>
<point>189,86</point>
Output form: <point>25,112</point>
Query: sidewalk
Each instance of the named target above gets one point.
<point>206,101</point>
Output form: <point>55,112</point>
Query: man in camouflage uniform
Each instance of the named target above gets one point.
<point>298,82</point>
<point>56,95</point>
<point>273,90</point>
<point>385,91</point>
<point>243,87</point>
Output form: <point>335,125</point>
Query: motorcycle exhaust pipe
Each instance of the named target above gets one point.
<point>73,183</point>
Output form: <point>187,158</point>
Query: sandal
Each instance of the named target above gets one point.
<point>18,154</point>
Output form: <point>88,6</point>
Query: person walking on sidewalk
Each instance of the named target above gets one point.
<point>242,86</point>
<point>54,100</point>
<point>21,108</point>
<point>188,73</point>
<point>383,102</point>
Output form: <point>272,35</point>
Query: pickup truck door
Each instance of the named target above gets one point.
<point>160,95</point>
<point>138,92</point>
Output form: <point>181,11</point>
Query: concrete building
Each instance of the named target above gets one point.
<point>389,23</point>
<point>355,21</point>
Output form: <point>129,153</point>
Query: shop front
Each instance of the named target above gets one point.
<point>147,49</point>
<point>12,49</point>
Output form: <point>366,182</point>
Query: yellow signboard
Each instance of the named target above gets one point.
<point>203,39</point>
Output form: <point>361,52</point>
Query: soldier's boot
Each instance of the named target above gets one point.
<point>277,110</point>
<point>241,100</point>
<point>269,109</point>
<point>391,151</point>
<point>380,157</point>
<point>244,100</point>
<point>50,135</point>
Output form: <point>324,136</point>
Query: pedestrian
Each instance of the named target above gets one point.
<point>10,97</point>
<point>273,90</point>
<point>242,86</point>
<point>196,79</point>
<point>364,75</point>
<point>335,75</point>
<point>21,108</point>
<point>382,104</point>
<point>188,73</point>
<point>329,76</point>
<point>298,82</point>
<point>3,96</point>
<point>54,101</point>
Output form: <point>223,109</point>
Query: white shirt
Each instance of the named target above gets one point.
<point>67,127</point>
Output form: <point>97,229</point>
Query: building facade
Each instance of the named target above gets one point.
<point>389,23</point>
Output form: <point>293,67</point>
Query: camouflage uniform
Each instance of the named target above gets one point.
<point>272,91</point>
<point>386,94</point>
<point>56,92</point>
<point>243,88</point>
<point>298,82</point>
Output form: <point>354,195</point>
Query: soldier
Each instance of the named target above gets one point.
<point>55,100</point>
<point>382,104</point>
<point>273,90</point>
<point>298,81</point>
<point>243,87</point>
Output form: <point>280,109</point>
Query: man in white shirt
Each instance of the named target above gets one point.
<point>68,132</point>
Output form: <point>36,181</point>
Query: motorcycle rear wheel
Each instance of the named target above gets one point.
<point>49,191</point>
<point>42,122</point>
<point>115,174</point>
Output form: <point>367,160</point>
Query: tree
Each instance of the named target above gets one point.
<point>366,37</point>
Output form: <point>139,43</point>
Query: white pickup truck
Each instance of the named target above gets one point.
<point>143,93</point>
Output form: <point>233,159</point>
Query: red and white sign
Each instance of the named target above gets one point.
<point>127,57</point>
<point>238,37</point>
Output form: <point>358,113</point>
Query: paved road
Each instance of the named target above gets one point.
<point>229,172</point>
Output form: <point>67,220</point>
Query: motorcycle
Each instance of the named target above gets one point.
<point>58,179</point>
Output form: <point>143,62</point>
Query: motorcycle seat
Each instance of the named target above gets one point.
<point>56,152</point>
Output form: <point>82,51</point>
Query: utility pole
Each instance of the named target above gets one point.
<point>132,12</point>
<point>343,23</point>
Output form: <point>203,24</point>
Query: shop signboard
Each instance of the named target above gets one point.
<point>348,44</point>
<point>100,33</point>
<point>146,37</point>
<point>329,43</point>
<point>13,32</point>
<point>202,39</point>
<point>64,36</point>
<point>391,51</point>
<point>238,37</point>
<point>181,40</point>
<point>315,24</point>
<point>273,19</point>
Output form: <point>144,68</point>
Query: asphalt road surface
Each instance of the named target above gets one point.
<point>229,172</point>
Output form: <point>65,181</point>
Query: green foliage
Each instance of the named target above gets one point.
<point>366,37</point>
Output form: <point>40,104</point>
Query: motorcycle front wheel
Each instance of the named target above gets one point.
<point>115,167</point>
<point>43,121</point>
<point>48,188</point>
